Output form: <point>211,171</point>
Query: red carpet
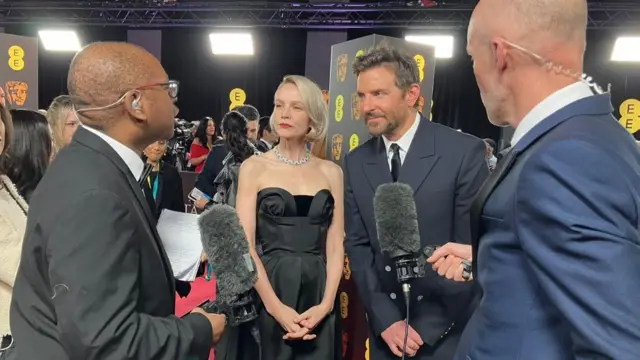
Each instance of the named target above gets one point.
<point>201,291</point>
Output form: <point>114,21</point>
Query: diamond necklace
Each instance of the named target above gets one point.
<point>286,160</point>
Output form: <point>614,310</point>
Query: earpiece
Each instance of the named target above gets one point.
<point>136,104</point>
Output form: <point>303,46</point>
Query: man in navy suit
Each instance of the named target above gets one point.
<point>445,168</point>
<point>555,229</point>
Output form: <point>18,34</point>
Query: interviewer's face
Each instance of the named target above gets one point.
<point>489,76</point>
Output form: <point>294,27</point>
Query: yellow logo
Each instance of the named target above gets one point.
<point>359,53</point>
<point>16,58</point>
<point>354,141</point>
<point>17,92</point>
<point>421,103</point>
<point>342,62</point>
<point>346,271</point>
<point>336,146</point>
<point>366,351</point>
<point>420,62</point>
<point>344,305</point>
<point>355,106</point>
<point>339,107</point>
<point>630,115</point>
<point>237,97</point>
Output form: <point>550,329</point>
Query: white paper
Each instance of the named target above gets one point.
<point>180,236</point>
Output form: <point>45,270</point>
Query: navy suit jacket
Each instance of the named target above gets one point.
<point>557,244</point>
<point>445,168</point>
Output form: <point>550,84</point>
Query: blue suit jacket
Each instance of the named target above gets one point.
<point>558,244</point>
<point>445,168</point>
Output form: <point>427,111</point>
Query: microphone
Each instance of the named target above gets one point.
<point>398,234</point>
<point>225,244</point>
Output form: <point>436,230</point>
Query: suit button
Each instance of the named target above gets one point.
<point>387,268</point>
<point>419,297</point>
<point>393,296</point>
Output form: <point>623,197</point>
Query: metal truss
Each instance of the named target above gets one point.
<point>172,13</point>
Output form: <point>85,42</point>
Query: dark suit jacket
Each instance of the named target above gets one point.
<point>211,169</point>
<point>94,281</point>
<point>557,241</point>
<point>262,146</point>
<point>445,168</point>
<point>169,194</point>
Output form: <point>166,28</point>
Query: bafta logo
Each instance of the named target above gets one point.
<point>342,67</point>
<point>336,146</point>
<point>17,92</point>
<point>344,305</point>
<point>421,103</point>
<point>355,106</point>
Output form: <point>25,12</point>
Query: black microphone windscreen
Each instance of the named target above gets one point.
<point>396,219</point>
<point>225,244</point>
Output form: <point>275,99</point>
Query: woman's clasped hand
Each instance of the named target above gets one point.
<point>300,326</point>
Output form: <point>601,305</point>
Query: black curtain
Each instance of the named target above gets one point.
<point>53,67</point>
<point>206,79</point>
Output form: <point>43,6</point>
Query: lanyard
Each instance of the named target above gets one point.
<point>155,184</point>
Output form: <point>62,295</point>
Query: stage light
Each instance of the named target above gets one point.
<point>60,40</point>
<point>627,48</point>
<point>442,43</point>
<point>231,43</point>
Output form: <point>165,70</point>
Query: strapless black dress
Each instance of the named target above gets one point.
<point>293,233</point>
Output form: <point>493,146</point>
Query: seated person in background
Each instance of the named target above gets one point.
<point>213,164</point>
<point>163,184</point>
<point>202,143</point>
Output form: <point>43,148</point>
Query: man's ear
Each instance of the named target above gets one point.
<point>413,95</point>
<point>500,51</point>
<point>135,108</point>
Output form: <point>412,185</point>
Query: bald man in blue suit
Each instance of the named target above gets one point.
<point>556,227</point>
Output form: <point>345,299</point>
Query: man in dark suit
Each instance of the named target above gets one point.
<point>94,281</point>
<point>556,242</point>
<point>266,136</point>
<point>445,168</point>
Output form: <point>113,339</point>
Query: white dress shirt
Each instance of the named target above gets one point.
<point>403,143</point>
<point>133,160</point>
<point>549,106</point>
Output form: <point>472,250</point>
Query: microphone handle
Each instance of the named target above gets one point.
<point>466,264</point>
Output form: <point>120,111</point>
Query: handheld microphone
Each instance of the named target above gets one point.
<point>225,244</point>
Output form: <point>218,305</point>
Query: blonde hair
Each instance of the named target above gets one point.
<point>319,149</point>
<point>314,103</point>
<point>57,117</point>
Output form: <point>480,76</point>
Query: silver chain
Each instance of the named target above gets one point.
<point>286,160</point>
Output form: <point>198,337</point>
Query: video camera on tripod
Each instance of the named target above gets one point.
<point>177,145</point>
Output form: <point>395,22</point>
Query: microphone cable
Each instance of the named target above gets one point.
<point>406,290</point>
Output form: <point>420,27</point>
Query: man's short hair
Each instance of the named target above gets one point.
<point>248,111</point>
<point>402,64</point>
<point>263,125</point>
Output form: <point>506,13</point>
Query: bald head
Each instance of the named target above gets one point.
<point>102,72</point>
<point>532,23</point>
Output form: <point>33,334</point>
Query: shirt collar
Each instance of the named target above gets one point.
<point>266,143</point>
<point>550,105</point>
<point>405,141</point>
<point>133,160</point>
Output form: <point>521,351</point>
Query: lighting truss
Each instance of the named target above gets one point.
<point>163,13</point>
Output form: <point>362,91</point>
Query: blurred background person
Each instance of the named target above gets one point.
<point>163,184</point>
<point>26,149</point>
<point>490,153</point>
<point>213,165</point>
<point>267,138</point>
<point>62,120</point>
<point>30,153</point>
<point>202,143</point>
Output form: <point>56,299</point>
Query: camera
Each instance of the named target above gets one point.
<point>177,146</point>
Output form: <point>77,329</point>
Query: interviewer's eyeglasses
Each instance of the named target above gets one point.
<point>171,86</point>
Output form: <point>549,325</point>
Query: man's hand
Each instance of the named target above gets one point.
<point>447,260</point>
<point>394,337</point>
<point>218,322</point>
<point>200,204</point>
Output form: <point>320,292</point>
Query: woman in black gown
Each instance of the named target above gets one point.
<point>291,203</point>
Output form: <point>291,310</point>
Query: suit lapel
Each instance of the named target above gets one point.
<point>376,167</point>
<point>593,105</point>
<point>421,156</point>
<point>88,139</point>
